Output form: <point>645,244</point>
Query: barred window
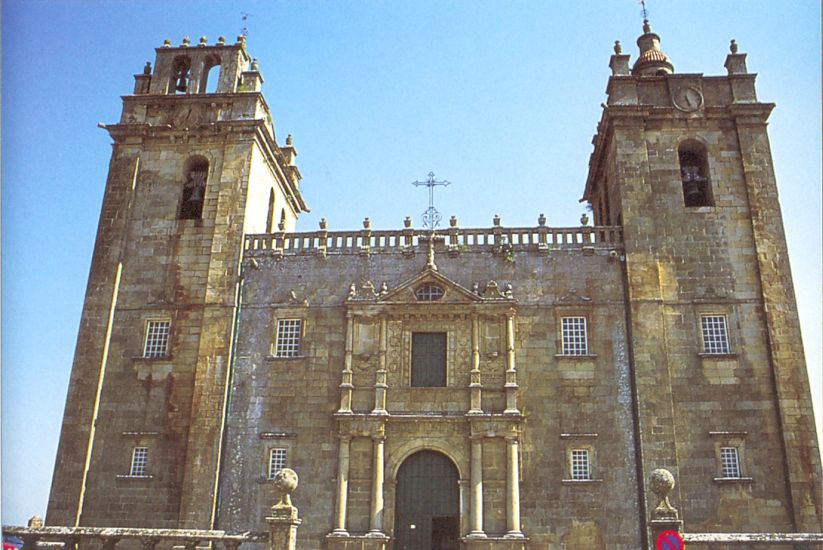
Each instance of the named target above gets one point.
<point>139,461</point>
<point>288,338</point>
<point>715,335</point>
<point>157,338</point>
<point>277,461</point>
<point>729,462</point>
<point>581,467</point>
<point>575,340</point>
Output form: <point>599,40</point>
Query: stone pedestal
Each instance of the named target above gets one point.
<point>283,524</point>
<point>657,526</point>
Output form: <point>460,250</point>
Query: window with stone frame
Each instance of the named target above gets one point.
<point>289,338</point>
<point>277,461</point>
<point>139,462</point>
<point>580,466</point>
<point>730,463</point>
<point>715,334</point>
<point>428,361</point>
<point>574,336</point>
<point>156,341</point>
<point>730,456</point>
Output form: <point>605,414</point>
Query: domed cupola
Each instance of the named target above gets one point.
<point>652,61</point>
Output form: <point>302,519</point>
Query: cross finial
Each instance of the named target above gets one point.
<point>431,217</point>
<point>244,32</point>
<point>643,11</point>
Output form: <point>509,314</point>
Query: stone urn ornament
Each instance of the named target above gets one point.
<point>286,482</point>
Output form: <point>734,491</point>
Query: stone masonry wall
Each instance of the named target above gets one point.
<point>567,402</point>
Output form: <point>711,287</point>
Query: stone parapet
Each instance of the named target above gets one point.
<point>498,240</point>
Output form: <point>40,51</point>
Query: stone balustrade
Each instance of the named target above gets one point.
<point>107,538</point>
<point>453,239</point>
<point>745,540</point>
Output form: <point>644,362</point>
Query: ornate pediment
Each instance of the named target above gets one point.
<point>430,287</point>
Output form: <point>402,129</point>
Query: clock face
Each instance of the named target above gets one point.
<point>687,99</point>
<point>186,116</point>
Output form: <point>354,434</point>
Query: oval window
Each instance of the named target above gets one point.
<point>429,293</point>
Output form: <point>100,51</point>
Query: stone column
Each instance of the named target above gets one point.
<point>513,488</point>
<point>342,485</point>
<point>380,386</point>
<point>511,372</point>
<point>476,512</point>
<point>475,387</point>
<point>346,385</point>
<point>376,516</point>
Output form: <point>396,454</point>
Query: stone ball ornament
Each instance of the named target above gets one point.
<point>286,482</point>
<point>661,483</point>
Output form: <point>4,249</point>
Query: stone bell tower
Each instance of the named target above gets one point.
<point>682,163</point>
<point>195,166</point>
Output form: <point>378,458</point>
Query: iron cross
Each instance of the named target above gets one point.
<point>431,217</point>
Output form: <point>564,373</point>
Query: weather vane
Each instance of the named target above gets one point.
<point>244,32</point>
<point>643,11</point>
<point>431,217</point>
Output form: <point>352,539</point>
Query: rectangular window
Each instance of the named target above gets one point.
<point>139,461</point>
<point>729,462</point>
<point>428,364</point>
<point>288,338</point>
<point>277,461</point>
<point>581,467</point>
<point>715,336</point>
<point>157,338</point>
<point>575,340</point>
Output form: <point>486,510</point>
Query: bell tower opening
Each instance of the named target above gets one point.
<point>427,513</point>
<point>181,72</point>
<point>194,190</point>
<point>694,174</point>
<point>210,75</point>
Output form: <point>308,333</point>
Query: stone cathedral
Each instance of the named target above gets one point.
<point>474,388</point>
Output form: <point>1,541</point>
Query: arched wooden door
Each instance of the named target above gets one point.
<point>427,513</point>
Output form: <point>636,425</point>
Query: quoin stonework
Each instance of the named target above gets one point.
<point>480,388</point>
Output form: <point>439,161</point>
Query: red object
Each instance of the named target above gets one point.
<point>669,540</point>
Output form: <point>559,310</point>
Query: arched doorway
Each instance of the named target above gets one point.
<point>427,513</point>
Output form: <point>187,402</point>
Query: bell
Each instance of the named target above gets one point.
<point>691,190</point>
<point>182,84</point>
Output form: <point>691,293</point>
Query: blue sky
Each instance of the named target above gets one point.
<point>501,99</point>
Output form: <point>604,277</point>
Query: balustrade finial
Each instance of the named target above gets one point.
<point>35,522</point>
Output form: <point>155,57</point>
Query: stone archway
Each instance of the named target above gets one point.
<point>427,505</point>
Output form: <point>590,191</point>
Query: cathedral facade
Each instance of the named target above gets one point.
<point>443,388</point>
